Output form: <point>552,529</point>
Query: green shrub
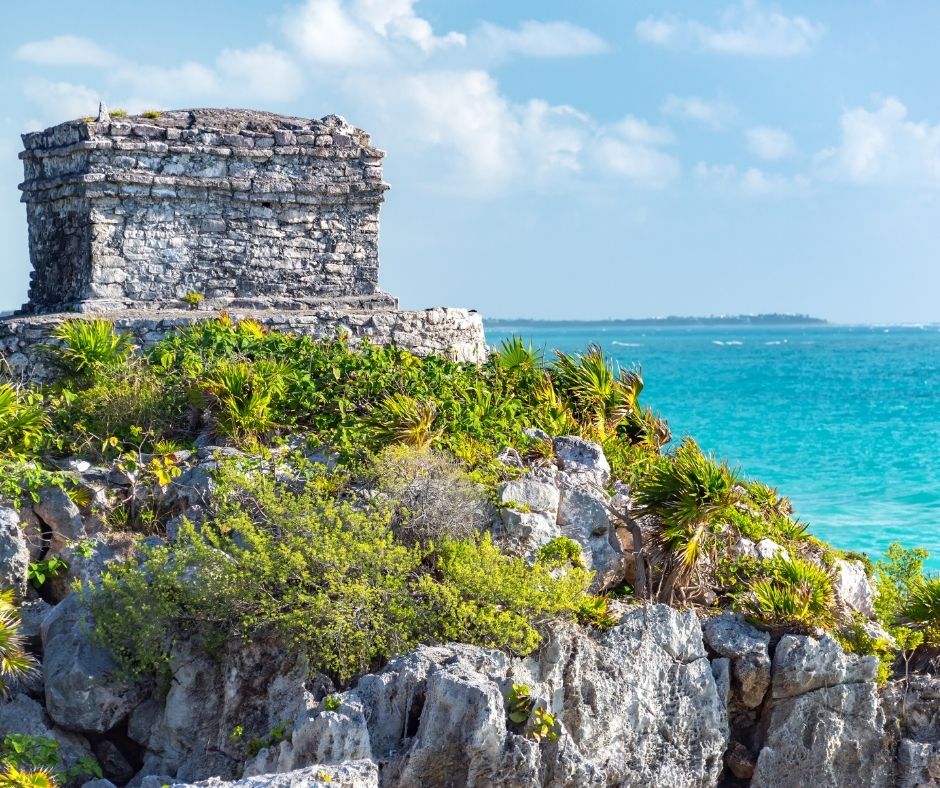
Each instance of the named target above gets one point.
<point>193,298</point>
<point>328,578</point>
<point>560,552</point>
<point>896,576</point>
<point>921,609</point>
<point>430,494</point>
<point>89,345</point>
<point>36,762</point>
<point>794,594</point>
<point>855,639</point>
<point>117,112</point>
<point>405,420</point>
<point>131,403</point>
<point>151,114</point>
<point>22,420</point>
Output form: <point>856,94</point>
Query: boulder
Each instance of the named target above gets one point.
<point>83,690</point>
<point>536,496</point>
<point>918,764</point>
<point>87,562</point>
<point>582,460</point>
<point>768,548</point>
<point>802,664</point>
<point>636,706</point>
<point>583,517</point>
<point>853,588</point>
<point>731,636</point>
<point>824,724</point>
<point>14,553</point>
<point>529,512</point>
<point>61,516</point>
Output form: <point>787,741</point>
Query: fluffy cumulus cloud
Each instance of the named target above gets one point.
<point>745,29</point>
<point>713,114</point>
<point>883,145</point>
<point>426,93</point>
<point>769,143</point>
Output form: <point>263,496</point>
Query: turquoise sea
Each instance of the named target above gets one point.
<point>844,420</point>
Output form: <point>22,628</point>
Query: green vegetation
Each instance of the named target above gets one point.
<point>35,761</point>
<point>117,112</point>
<point>193,298</point>
<point>41,571</point>
<point>151,114</point>
<point>16,663</point>
<point>327,577</point>
<point>794,594</point>
<point>391,548</point>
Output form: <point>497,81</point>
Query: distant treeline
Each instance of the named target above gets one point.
<point>673,320</point>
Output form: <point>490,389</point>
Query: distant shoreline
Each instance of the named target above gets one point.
<point>673,320</point>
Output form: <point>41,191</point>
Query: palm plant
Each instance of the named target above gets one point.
<point>22,421</point>
<point>597,398</point>
<point>516,356</point>
<point>685,493</point>
<point>88,345</point>
<point>16,663</point>
<point>922,608</point>
<point>14,777</point>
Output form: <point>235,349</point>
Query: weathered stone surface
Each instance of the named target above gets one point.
<point>14,553</point>
<point>352,774</point>
<point>637,706</point>
<point>583,517</point>
<point>83,692</point>
<point>825,723</point>
<point>61,515</point>
<point>746,646</point>
<point>918,764</point>
<point>802,664</point>
<point>583,460</point>
<point>853,588</point>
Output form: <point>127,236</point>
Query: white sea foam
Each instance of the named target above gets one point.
<point>626,344</point>
<point>729,342</point>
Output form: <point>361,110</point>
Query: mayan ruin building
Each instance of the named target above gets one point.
<point>257,214</point>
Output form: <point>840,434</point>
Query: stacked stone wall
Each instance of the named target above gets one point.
<point>246,208</point>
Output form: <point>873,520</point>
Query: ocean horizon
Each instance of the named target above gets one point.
<point>843,419</point>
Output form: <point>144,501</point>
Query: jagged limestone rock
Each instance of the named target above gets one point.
<point>22,714</point>
<point>583,516</point>
<point>352,774</point>
<point>853,588</point>
<point>582,460</point>
<point>825,724</point>
<point>731,636</point>
<point>83,691</point>
<point>636,706</point>
<point>57,511</point>
<point>14,553</point>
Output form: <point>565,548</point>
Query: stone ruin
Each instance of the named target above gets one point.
<point>265,216</point>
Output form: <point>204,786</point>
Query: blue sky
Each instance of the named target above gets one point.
<point>570,160</point>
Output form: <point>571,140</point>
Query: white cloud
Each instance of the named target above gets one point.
<point>424,94</point>
<point>361,33</point>
<point>715,114</point>
<point>537,39</point>
<point>769,143</point>
<point>58,101</point>
<point>745,29</point>
<point>752,181</point>
<point>64,51</point>
<point>884,146</point>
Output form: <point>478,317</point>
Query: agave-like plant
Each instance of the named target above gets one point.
<point>22,420</point>
<point>88,345</point>
<point>242,394</point>
<point>14,777</point>
<point>16,663</point>
<point>406,420</point>
<point>796,593</point>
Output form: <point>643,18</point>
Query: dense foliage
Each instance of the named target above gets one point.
<point>327,575</point>
<point>354,579</point>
